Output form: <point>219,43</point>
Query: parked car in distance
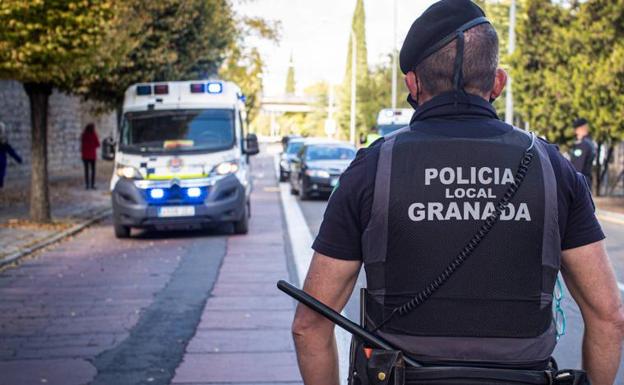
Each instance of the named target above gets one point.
<point>317,167</point>
<point>287,138</point>
<point>293,147</point>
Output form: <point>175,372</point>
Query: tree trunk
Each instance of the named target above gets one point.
<point>38,95</point>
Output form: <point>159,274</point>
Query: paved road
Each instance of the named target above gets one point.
<point>568,349</point>
<point>196,307</point>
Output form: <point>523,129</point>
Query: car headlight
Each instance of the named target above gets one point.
<point>317,173</point>
<point>226,168</point>
<point>128,172</point>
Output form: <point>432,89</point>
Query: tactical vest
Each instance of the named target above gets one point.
<point>432,193</point>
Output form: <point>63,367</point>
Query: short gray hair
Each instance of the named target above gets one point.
<point>480,63</point>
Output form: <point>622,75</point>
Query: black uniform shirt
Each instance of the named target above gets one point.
<point>582,156</point>
<point>349,207</point>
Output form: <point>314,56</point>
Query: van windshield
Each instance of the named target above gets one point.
<point>178,130</point>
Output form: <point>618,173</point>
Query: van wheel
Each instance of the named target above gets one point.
<point>242,226</point>
<point>121,231</point>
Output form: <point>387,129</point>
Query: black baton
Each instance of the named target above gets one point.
<point>345,323</point>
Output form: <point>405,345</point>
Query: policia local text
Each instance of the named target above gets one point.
<point>477,179</point>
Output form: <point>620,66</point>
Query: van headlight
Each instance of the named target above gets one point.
<point>226,168</point>
<point>317,173</point>
<point>128,172</point>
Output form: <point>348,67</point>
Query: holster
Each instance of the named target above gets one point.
<point>375,366</point>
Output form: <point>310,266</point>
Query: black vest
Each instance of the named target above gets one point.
<point>432,194</point>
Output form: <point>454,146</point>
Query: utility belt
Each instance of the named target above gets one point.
<point>370,366</point>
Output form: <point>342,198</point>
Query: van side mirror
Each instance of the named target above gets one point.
<point>251,144</point>
<point>108,148</point>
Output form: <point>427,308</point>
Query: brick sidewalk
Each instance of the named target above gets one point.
<point>70,203</point>
<point>244,333</point>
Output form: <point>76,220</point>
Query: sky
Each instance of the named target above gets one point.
<point>316,32</point>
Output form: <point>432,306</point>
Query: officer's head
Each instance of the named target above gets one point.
<point>581,127</point>
<point>429,56</point>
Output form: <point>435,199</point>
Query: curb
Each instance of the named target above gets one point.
<point>15,257</point>
<point>610,216</point>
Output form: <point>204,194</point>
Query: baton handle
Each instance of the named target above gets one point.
<point>345,323</point>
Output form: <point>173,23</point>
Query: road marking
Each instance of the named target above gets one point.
<point>300,242</point>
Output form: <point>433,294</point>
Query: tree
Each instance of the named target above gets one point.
<point>243,64</point>
<point>290,77</point>
<point>364,119</point>
<point>570,63</point>
<point>165,40</point>
<point>540,69</point>
<point>596,48</point>
<point>46,45</point>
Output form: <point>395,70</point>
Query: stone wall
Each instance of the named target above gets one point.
<point>67,116</point>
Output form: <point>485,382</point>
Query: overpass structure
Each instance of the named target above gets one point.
<point>273,106</point>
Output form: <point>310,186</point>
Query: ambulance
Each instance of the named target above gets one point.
<point>389,120</point>
<point>182,157</point>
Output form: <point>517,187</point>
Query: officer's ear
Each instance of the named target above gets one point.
<point>411,81</point>
<point>500,80</point>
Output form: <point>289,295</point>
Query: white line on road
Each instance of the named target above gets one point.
<point>300,242</point>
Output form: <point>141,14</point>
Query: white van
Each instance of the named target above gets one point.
<point>389,120</point>
<point>181,157</point>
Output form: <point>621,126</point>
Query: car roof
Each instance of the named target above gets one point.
<point>326,141</point>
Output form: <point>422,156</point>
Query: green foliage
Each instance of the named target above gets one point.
<point>290,78</point>
<point>364,117</point>
<point>53,42</point>
<point>569,63</point>
<point>243,64</point>
<point>163,40</point>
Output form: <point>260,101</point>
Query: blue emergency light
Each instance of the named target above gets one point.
<point>144,90</point>
<point>157,193</point>
<point>194,192</point>
<point>215,88</point>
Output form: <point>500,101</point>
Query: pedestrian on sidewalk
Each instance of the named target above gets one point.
<point>583,151</point>
<point>89,143</point>
<point>6,149</point>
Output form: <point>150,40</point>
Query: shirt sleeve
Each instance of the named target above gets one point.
<point>581,226</point>
<point>346,214</point>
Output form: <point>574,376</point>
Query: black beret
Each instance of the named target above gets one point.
<point>437,27</point>
<point>579,122</point>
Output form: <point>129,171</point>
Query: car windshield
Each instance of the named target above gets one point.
<point>385,129</point>
<point>178,130</point>
<point>330,153</point>
<point>294,147</point>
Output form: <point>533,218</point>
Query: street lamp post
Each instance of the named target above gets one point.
<point>353,86</point>
<point>394,59</point>
<point>509,105</point>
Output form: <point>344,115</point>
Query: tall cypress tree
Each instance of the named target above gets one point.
<point>290,77</point>
<point>364,118</point>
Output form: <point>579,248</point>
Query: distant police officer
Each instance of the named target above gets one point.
<point>583,151</point>
<point>462,223</point>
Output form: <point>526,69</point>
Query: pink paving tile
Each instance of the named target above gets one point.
<point>255,368</point>
<point>252,319</point>
<point>247,341</point>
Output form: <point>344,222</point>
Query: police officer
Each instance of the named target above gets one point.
<point>462,223</point>
<point>583,151</point>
